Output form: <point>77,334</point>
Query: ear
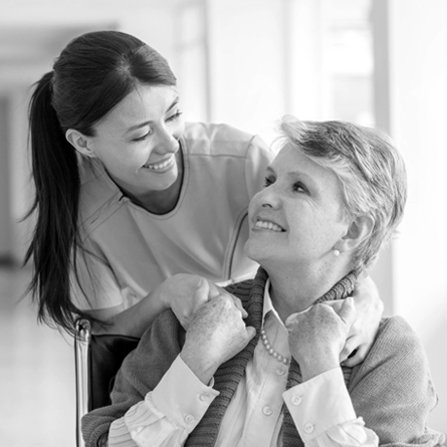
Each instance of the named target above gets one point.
<point>359,230</point>
<point>80,142</point>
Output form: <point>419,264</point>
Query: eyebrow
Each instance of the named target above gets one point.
<point>146,123</point>
<point>292,175</point>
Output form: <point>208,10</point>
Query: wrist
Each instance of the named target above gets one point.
<point>201,365</point>
<point>160,296</point>
<point>318,365</point>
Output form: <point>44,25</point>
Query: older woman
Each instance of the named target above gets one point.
<point>333,196</point>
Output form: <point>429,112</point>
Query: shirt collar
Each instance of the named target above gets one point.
<point>268,306</point>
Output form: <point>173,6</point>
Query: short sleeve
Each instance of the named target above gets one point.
<point>259,156</point>
<point>95,286</point>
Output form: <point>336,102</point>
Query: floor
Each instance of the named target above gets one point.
<point>37,391</point>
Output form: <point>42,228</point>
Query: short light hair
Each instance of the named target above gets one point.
<point>369,168</point>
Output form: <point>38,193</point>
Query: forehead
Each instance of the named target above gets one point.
<point>292,159</point>
<point>294,163</point>
<point>144,103</point>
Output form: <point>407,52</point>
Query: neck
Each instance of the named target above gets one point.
<point>298,289</point>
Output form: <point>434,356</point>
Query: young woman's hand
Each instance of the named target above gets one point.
<point>369,310</point>
<point>216,333</point>
<point>184,294</point>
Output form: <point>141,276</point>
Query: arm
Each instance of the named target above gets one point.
<point>390,394</point>
<point>134,380</point>
<point>167,415</point>
<point>217,332</point>
<point>392,389</point>
<point>183,293</point>
<point>321,407</point>
<point>369,310</point>
<point>98,293</point>
<point>312,404</point>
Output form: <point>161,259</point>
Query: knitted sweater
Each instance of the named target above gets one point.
<point>391,389</point>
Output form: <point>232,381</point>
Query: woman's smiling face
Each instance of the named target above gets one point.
<point>299,215</point>
<point>138,140</point>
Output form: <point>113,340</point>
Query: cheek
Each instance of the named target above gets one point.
<point>307,230</point>
<point>179,129</point>
<point>120,159</point>
<point>254,204</point>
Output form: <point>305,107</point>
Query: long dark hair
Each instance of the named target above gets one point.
<point>92,75</point>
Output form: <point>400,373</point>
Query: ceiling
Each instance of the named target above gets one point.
<point>26,52</point>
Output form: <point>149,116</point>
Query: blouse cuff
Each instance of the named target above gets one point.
<point>319,404</point>
<point>181,396</point>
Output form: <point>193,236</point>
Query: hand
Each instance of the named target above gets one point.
<point>184,294</point>
<point>317,337</point>
<point>216,334</point>
<point>369,309</point>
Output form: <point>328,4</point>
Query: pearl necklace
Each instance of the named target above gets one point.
<point>271,351</point>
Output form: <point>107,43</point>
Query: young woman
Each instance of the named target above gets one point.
<point>128,195</point>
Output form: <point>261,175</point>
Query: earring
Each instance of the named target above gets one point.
<point>336,252</point>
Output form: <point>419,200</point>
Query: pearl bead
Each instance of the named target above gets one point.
<point>271,351</point>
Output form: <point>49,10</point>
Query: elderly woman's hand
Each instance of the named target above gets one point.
<point>216,333</point>
<point>317,337</point>
<point>185,293</point>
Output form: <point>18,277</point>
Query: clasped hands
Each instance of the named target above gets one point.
<point>319,339</point>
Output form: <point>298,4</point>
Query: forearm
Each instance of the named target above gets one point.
<point>132,321</point>
<point>324,416</point>
<point>167,415</point>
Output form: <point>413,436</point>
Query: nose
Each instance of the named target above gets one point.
<point>269,197</point>
<point>167,142</point>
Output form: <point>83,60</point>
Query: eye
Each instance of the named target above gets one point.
<point>144,137</point>
<point>299,187</point>
<point>175,116</point>
<point>269,181</point>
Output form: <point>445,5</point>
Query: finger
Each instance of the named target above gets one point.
<point>347,312</point>
<point>358,357</point>
<point>238,304</point>
<point>251,332</point>
<point>202,291</point>
<point>348,349</point>
<point>335,304</point>
<point>292,319</point>
<point>214,290</point>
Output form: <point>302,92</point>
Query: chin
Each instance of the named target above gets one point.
<point>255,251</point>
<point>164,182</point>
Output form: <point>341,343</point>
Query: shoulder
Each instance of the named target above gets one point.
<point>221,139</point>
<point>396,334</point>
<point>397,352</point>
<point>392,390</point>
<point>99,196</point>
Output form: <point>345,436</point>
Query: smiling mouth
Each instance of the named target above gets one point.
<point>266,225</point>
<point>160,166</point>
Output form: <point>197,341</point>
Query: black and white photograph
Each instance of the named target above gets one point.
<point>223,223</point>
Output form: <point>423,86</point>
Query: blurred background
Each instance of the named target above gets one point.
<point>244,62</point>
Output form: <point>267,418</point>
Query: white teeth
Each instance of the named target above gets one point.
<point>268,225</point>
<point>159,166</point>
